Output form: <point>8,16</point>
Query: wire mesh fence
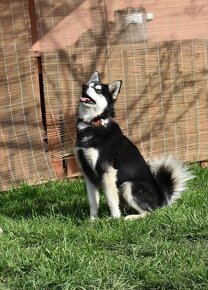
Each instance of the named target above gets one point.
<point>158,49</point>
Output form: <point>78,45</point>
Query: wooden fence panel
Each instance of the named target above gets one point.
<point>22,149</point>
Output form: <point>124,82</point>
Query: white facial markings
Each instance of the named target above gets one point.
<point>89,111</point>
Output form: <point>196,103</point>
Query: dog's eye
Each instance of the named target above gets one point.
<point>98,91</point>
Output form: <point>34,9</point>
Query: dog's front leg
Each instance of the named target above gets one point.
<point>93,198</point>
<point>111,191</point>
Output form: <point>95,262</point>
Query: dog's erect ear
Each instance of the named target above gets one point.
<point>114,89</point>
<point>94,78</point>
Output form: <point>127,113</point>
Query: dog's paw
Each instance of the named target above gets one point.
<point>135,216</point>
<point>93,218</point>
<point>1,231</point>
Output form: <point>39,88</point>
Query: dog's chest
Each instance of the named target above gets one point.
<point>90,155</point>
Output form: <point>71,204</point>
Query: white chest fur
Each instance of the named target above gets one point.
<point>91,155</point>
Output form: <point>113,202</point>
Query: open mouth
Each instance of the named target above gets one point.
<point>86,99</point>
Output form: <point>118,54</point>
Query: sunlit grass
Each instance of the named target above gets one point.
<point>49,242</point>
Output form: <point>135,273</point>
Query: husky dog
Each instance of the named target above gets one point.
<point>109,159</point>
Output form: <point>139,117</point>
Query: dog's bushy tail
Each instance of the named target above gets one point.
<point>171,176</point>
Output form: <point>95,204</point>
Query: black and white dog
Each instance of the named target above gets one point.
<point>109,159</point>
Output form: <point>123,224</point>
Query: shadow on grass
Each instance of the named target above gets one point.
<point>53,199</point>
<point>61,199</point>
<point>64,200</point>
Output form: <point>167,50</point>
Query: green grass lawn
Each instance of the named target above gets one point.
<point>49,242</point>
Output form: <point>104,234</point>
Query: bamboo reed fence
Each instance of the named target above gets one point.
<point>49,49</point>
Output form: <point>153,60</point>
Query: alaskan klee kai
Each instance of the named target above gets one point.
<point>109,159</point>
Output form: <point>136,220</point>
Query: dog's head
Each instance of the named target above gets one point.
<point>97,98</point>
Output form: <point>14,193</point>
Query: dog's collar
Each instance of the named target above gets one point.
<point>97,123</point>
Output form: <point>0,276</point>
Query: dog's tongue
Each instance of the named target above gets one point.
<point>84,99</point>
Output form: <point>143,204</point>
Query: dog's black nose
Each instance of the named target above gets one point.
<point>84,87</point>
